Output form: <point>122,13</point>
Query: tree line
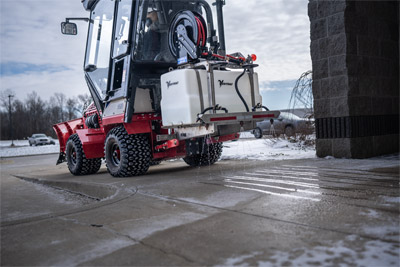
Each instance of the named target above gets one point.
<point>35,115</point>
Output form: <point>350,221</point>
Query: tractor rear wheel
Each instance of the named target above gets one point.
<point>210,157</point>
<point>77,162</point>
<point>126,155</point>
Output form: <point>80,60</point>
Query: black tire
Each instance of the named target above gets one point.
<point>289,131</point>
<point>258,133</point>
<point>77,162</point>
<point>126,155</point>
<point>212,155</point>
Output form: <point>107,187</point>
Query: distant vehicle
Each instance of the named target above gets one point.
<point>287,124</point>
<point>40,139</point>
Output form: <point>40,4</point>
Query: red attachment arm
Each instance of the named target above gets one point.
<point>168,145</point>
<point>225,58</point>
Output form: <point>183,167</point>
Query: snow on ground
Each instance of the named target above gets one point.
<point>246,148</point>
<point>342,253</point>
<point>352,251</point>
<point>16,143</point>
<point>266,149</point>
<point>22,148</point>
<point>246,135</point>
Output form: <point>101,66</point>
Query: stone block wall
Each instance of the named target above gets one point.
<point>355,55</point>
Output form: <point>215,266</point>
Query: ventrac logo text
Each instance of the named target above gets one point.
<point>222,82</point>
<point>169,83</point>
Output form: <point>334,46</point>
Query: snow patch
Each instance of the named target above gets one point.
<point>95,250</point>
<point>389,232</point>
<point>56,242</point>
<point>56,195</point>
<point>240,260</point>
<point>392,199</point>
<point>22,148</point>
<point>370,213</point>
<point>246,135</point>
<point>266,149</point>
<point>140,229</point>
<point>372,253</point>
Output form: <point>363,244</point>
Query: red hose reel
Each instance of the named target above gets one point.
<point>187,35</point>
<point>188,38</point>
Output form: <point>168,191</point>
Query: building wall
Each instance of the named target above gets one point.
<point>355,55</point>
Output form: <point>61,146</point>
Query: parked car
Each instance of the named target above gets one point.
<point>287,124</point>
<point>40,139</point>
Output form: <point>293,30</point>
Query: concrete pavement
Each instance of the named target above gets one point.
<point>310,212</point>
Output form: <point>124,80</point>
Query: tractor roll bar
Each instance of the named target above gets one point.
<point>221,31</point>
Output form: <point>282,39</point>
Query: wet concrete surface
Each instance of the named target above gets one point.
<point>292,212</point>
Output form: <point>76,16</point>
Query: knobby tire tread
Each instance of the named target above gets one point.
<point>135,153</point>
<point>83,165</point>
<point>206,159</point>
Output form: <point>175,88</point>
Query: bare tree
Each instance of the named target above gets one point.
<point>61,99</point>
<point>71,108</point>
<point>36,109</point>
<point>302,94</point>
<point>20,117</point>
<point>33,115</point>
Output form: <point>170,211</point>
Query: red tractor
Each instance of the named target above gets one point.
<point>162,85</point>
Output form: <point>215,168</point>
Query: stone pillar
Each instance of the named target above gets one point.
<point>355,57</point>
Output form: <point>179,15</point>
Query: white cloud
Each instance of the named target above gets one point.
<point>69,82</point>
<point>274,86</point>
<point>30,32</point>
<point>266,87</point>
<point>277,31</point>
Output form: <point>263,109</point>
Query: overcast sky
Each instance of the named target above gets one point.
<point>35,56</point>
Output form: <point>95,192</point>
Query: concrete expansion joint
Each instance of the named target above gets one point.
<point>99,226</point>
<point>47,184</point>
<point>128,237</point>
<point>167,253</point>
<point>121,194</point>
<point>112,231</point>
<point>267,218</point>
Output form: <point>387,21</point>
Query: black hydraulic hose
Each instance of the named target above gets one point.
<point>224,109</point>
<point>216,108</point>
<point>238,92</point>
<point>207,109</point>
<point>259,106</point>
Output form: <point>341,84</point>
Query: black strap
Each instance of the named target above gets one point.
<point>251,79</point>
<point>200,89</point>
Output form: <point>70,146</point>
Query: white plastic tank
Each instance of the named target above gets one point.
<point>180,102</point>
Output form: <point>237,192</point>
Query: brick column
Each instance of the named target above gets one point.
<point>355,56</point>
